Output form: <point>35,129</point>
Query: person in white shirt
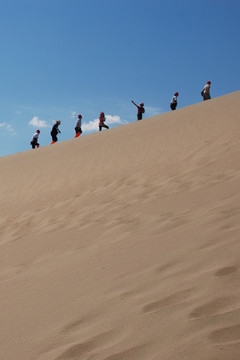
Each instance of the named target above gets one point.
<point>78,126</point>
<point>173,103</point>
<point>206,91</point>
<point>34,141</point>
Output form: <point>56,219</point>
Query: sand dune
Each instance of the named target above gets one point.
<point>124,245</point>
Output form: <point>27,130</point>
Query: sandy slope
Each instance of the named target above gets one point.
<point>124,245</point>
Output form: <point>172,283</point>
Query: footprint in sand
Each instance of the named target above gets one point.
<point>228,270</point>
<point>70,348</point>
<point>168,301</point>
<point>230,334</point>
<point>136,352</point>
<point>76,351</point>
<point>215,307</point>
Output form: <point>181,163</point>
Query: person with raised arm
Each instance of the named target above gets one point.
<point>141,110</point>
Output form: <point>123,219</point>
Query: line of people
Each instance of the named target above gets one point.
<point>78,129</point>
<point>205,94</point>
<point>102,118</point>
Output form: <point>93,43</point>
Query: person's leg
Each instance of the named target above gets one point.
<point>100,127</point>
<point>54,137</point>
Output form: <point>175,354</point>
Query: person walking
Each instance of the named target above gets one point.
<point>34,141</point>
<point>141,110</point>
<point>173,103</point>
<point>102,120</point>
<point>206,91</point>
<point>78,126</point>
<point>55,131</point>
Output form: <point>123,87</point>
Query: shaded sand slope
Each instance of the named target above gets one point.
<point>124,245</point>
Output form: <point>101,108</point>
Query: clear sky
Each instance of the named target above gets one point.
<point>61,58</point>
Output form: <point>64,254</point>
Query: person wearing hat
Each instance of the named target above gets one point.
<point>55,131</point>
<point>78,127</point>
<point>173,103</point>
<point>101,123</point>
<point>141,110</point>
<point>34,141</point>
<point>206,91</point>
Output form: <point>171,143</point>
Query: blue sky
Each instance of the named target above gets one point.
<point>60,58</point>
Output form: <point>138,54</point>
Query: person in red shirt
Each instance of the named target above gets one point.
<point>141,110</point>
<point>102,119</point>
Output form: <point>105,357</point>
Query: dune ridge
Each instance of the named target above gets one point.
<point>124,245</point>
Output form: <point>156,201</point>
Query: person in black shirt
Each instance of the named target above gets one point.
<point>55,131</point>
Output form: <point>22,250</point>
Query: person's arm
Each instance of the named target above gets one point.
<point>134,103</point>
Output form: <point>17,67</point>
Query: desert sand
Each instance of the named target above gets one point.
<point>125,244</point>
